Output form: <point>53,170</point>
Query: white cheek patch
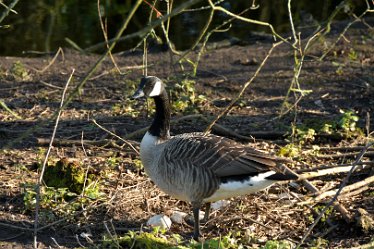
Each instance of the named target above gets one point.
<point>156,89</point>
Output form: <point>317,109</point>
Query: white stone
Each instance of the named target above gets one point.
<point>178,217</point>
<point>201,215</point>
<point>159,220</point>
<point>220,204</point>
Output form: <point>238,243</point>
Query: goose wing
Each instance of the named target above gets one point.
<point>223,156</point>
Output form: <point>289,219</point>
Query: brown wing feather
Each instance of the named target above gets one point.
<point>223,156</point>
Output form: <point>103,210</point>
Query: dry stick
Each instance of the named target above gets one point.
<point>169,8</point>
<point>37,204</point>
<point>297,63</point>
<point>215,30</point>
<point>296,76</point>
<point>352,154</point>
<point>171,47</point>
<point>354,192</point>
<point>205,29</point>
<point>16,227</point>
<point>3,105</point>
<point>355,148</point>
<point>51,62</point>
<point>324,167</point>
<point>204,7</point>
<point>111,133</point>
<point>8,9</point>
<point>106,72</point>
<point>227,109</point>
<point>323,172</point>
<point>337,206</point>
<point>143,32</point>
<point>5,6</point>
<point>343,184</point>
<point>105,34</point>
<point>86,78</point>
<point>346,189</point>
<point>219,8</point>
<point>88,167</point>
<point>291,22</point>
<point>357,19</point>
<point>145,48</point>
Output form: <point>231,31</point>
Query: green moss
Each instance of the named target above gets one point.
<point>158,240</point>
<point>290,150</point>
<point>65,174</point>
<point>138,241</point>
<point>19,72</point>
<point>275,244</point>
<point>318,243</point>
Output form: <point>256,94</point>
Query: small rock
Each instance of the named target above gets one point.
<point>178,217</point>
<point>190,220</point>
<point>201,215</point>
<point>159,220</point>
<point>220,204</point>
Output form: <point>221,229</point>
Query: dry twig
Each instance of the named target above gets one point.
<point>227,109</point>
<point>111,133</point>
<point>346,189</point>
<point>8,9</point>
<point>343,184</point>
<point>40,179</point>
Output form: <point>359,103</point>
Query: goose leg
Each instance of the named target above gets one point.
<point>207,211</point>
<point>196,210</point>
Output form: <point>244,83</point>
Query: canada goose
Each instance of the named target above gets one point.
<point>199,168</point>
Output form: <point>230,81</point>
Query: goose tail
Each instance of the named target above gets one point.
<point>282,177</point>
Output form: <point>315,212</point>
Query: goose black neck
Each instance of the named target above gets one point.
<point>161,123</point>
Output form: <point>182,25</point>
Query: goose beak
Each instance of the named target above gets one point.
<point>138,94</point>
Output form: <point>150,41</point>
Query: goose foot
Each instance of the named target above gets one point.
<point>190,220</point>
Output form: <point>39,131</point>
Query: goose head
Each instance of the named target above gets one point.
<point>150,86</point>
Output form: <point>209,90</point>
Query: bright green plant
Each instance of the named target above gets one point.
<point>318,243</point>
<point>19,72</point>
<point>348,121</point>
<point>184,97</point>
<point>290,150</point>
<point>275,244</point>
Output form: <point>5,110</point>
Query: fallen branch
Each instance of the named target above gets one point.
<point>355,192</point>
<point>322,172</point>
<point>346,189</point>
<point>335,197</point>
<point>16,227</point>
<point>369,163</point>
<point>346,149</point>
<point>345,155</point>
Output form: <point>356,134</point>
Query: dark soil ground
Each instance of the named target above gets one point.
<point>344,80</point>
